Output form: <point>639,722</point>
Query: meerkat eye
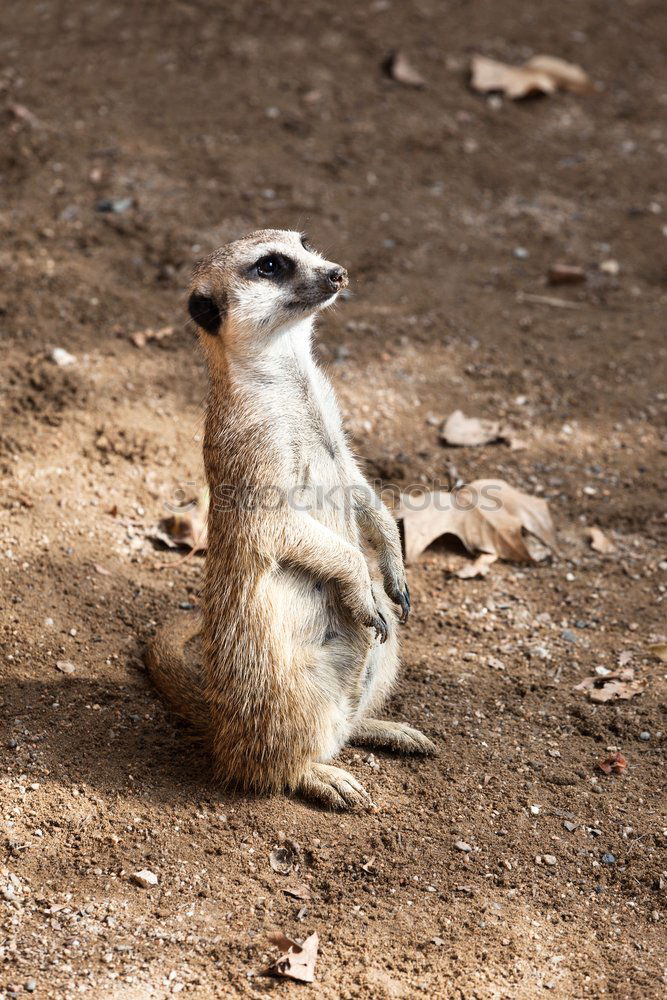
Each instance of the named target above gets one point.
<point>269,267</point>
<point>305,242</point>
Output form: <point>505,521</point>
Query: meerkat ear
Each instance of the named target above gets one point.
<point>207,313</point>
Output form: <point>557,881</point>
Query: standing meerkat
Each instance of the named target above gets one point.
<point>298,642</point>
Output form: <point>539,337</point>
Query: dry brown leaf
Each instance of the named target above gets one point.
<point>514,81</point>
<point>298,890</point>
<point>540,75</point>
<point>187,529</point>
<point>298,958</point>
<point>400,69</point>
<point>658,649</point>
<point>599,541</point>
<point>480,567</point>
<point>487,516</point>
<point>465,431</point>
<point>619,685</point>
<point>567,76</point>
<point>65,666</point>
<point>615,763</point>
<point>284,856</point>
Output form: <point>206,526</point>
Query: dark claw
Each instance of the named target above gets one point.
<point>380,626</point>
<point>404,602</point>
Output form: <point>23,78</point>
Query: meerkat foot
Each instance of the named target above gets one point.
<point>396,736</point>
<point>333,788</point>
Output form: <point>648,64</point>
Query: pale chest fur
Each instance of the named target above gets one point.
<point>313,465</point>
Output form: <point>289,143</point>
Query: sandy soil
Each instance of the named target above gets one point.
<point>448,209</point>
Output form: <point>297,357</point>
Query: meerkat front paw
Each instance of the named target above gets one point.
<point>396,736</point>
<point>379,623</point>
<point>399,594</point>
<point>364,608</point>
<point>333,788</point>
<point>396,588</point>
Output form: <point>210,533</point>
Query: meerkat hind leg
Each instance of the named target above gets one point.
<point>396,736</point>
<point>333,788</point>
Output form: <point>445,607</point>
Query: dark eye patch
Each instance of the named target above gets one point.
<point>273,267</point>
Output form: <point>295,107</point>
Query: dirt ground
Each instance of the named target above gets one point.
<point>448,209</point>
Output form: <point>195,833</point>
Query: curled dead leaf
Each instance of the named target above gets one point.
<point>399,68</point>
<point>297,960</point>
<point>187,529</point>
<point>619,685</point>
<point>540,75</point>
<point>658,649</point>
<point>284,856</point>
<point>566,75</point>
<point>463,431</point>
<point>599,541</point>
<point>298,890</point>
<point>479,567</point>
<point>615,763</point>
<point>488,516</point>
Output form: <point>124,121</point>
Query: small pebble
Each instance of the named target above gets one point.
<point>461,845</point>
<point>31,985</point>
<point>65,666</point>
<point>568,635</point>
<point>117,205</point>
<point>549,859</point>
<point>570,827</point>
<point>520,253</point>
<point>608,859</point>
<point>145,878</point>
<point>535,810</point>
<point>185,605</point>
<point>62,358</point>
<point>645,735</point>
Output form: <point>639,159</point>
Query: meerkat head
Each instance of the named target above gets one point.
<point>251,290</point>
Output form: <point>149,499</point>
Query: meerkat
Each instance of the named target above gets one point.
<point>299,645</point>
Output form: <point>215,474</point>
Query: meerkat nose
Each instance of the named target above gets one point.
<point>337,278</point>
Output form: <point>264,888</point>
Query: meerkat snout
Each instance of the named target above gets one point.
<point>261,284</point>
<point>337,278</point>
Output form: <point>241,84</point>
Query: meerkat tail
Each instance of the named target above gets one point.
<point>173,662</point>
